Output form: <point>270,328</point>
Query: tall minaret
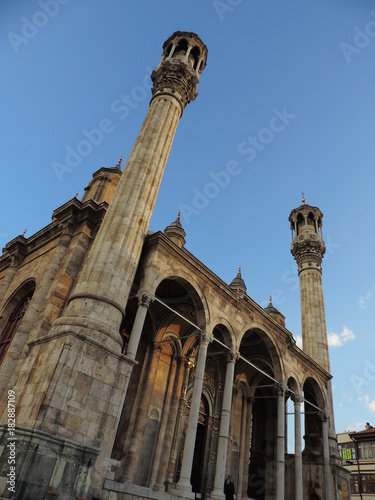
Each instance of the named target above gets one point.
<point>308,249</point>
<point>97,303</point>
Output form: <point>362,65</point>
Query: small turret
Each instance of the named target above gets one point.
<point>175,232</point>
<point>272,311</point>
<point>103,184</point>
<point>238,284</point>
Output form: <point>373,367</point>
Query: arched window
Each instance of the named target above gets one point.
<point>13,323</point>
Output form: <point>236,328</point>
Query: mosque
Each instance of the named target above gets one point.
<point>129,370</point>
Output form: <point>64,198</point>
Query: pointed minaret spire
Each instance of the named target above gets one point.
<point>303,199</point>
<point>118,166</point>
<point>175,232</point>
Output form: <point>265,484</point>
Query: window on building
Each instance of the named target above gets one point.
<point>368,483</point>
<point>13,324</point>
<point>366,450</point>
<point>354,483</point>
<point>347,451</point>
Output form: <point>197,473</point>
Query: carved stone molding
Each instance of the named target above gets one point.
<point>145,298</point>
<point>175,77</point>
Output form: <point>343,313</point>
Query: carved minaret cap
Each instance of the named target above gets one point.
<point>238,284</point>
<point>175,232</point>
<point>272,311</point>
<point>184,58</point>
<point>307,236</point>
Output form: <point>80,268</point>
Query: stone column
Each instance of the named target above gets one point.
<point>246,443</point>
<point>298,479</point>
<point>144,301</point>
<point>242,446</point>
<point>280,451</point>
<point>135,445</point>
<point>166,444</point>
<point>181,409</point>
<point>224,428</point>
<point>183,487</point>
<point>327,469</point>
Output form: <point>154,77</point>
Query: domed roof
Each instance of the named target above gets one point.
<point>238,284</point>
<point>275,313</point>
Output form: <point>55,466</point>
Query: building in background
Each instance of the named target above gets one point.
<point>134,370</point>
<point>357,451</point>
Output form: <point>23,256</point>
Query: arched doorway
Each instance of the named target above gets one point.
<point>313,423</point>
<point>151,424</point>
<point>260,366</point>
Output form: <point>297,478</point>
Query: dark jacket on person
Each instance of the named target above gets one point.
<point>228,490</point>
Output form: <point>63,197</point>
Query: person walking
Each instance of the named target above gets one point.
<point>229,488</point>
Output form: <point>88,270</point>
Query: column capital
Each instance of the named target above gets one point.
<point>232,355</point>
<point>297,399</point>
<point>323,416</point>
<point>281,388</point>
<point>205,337</point>
<point>145,298</point>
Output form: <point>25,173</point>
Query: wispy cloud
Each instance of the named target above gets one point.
<point>370,403</point>
<point>358,426</point>
<point>339,339</point>
<point>363,300</point>
<point>346,398</point>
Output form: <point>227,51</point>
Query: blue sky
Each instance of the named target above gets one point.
<point>67,65</point>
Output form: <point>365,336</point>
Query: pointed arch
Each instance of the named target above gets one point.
<point>14,312</point>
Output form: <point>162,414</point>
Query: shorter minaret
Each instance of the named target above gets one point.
<point>308,249</point>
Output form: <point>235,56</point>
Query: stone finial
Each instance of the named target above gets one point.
<point>175,232</point>
<point>118,166</point>
<point>272,311</point>
<point>238,284</point>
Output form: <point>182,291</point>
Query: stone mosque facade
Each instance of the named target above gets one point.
<point>137,373</point>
